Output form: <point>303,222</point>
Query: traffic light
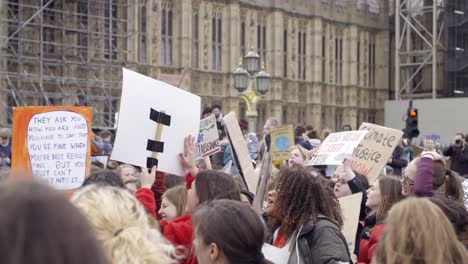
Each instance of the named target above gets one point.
<point>411,129</point>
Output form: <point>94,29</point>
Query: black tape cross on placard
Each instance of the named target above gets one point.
<point>156,146</point>
<point>160,118</point>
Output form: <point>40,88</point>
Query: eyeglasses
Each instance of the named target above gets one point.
<point>4,138</point>
<point>406,179</point>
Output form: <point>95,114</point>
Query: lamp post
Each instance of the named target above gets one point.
<point>251,82</point>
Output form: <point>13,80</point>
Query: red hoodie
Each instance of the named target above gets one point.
<point>178,231</point>
<point>367,247</point>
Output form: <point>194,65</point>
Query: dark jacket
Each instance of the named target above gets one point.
<point>319,243</point>
<point>398,160</point>
<point>459,157</point>
<point>355,185</point>
<point>303,143</point>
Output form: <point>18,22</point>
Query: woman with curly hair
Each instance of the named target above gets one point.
<point>417,231</point>
<point>122,226</point>
<point>308,220</point>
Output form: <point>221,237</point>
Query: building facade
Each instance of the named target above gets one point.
<point>328,59</point>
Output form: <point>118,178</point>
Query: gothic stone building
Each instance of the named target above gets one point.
<point>328,59</point>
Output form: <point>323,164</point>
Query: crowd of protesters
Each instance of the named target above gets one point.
<point>415,212</point>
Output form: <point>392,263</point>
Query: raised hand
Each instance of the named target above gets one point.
<point>187,158</point>
<point>147,178</point>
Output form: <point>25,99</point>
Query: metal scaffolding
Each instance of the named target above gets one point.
<point>418,30</point>
<point>53,50</point>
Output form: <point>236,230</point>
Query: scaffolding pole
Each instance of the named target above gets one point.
<point>422,38</point>
<point>55,49</point>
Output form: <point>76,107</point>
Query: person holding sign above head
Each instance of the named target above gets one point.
<point>38,225</point>
<point>205,187</point>
<point>347,184</point>
<point>240,241</point>
<point>307,220</point>
<point>417,231</point>
<point>381,196</point>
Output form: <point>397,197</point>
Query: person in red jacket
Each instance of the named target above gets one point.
<point>205,187</point>
<point>384,193</point>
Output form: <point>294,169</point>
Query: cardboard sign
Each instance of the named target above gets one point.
<point>240,151</point>
<point>351,207</point>
<point>53,144</point>
<point>208,138</point>
<point>282,140</point>
<point>335,147</point>
<point>154,119</point>
<point>374,151</point>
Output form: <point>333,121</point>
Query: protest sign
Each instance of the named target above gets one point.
<point>240,152</point>
<point>374,151</point>
<point>275,255</point>
<point>335,147</point>
<point>351,207</point>
<point>53,144</point>
<point>154,119</point>
<point>208,138</point>
<point>103,159</point>
<point>282,139</point>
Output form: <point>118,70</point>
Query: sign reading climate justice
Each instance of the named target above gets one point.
<point>375,150</point>
<point>52,143</point>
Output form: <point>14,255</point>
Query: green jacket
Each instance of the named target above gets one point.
<point>319,243</point>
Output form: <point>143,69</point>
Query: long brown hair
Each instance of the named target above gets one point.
<point>38,225</point>
<point>211,185</point>
<point>178,197</point>
<point>390,191</point>
<point>447,182</point>
<point>301,197</point>
<point>417,231</point>
<point>241,240</point>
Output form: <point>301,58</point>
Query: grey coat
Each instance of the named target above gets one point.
<point>319,243</point>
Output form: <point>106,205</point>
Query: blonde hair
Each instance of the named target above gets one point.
<point>417,231</point>
<point>178,197</point>
<point>302,150</point>
<point>122,226</point>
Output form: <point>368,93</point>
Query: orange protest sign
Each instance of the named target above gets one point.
<point>52,144</point>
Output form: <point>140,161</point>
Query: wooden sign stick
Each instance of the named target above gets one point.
<point>207,162</point>
<point>157,137</point>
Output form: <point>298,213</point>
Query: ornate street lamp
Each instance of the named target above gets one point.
<point>250,81</point>
<point>263,81</point>
<point>252,62</point>
<point>241,76</point>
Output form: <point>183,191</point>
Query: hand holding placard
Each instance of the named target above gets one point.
<point>147,178</point>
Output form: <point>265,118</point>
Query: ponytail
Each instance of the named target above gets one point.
<point>453,187</point>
